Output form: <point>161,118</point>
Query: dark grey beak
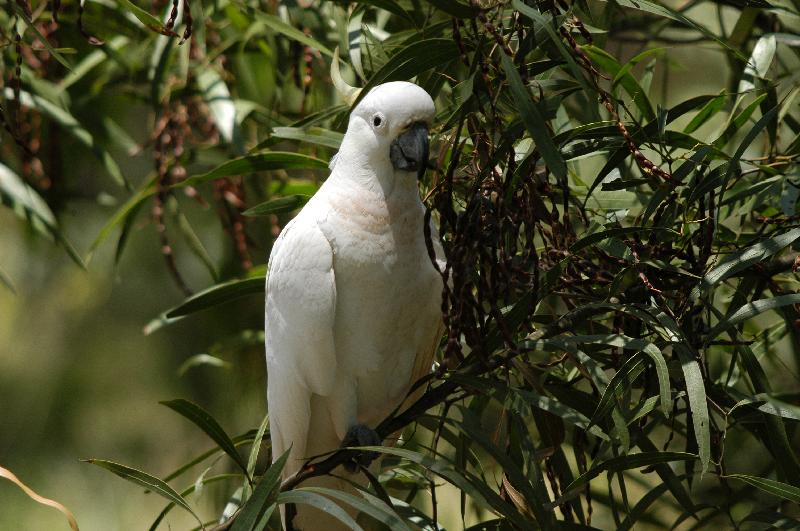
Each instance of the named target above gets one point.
<point>409,152</point>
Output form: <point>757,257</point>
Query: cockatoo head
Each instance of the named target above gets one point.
<point>390,123</point>
<point>393,119</point>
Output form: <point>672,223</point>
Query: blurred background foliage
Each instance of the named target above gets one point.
<point>617,186</point>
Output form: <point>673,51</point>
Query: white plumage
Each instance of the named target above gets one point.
<point>353,301</point>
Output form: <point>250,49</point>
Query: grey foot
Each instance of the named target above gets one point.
<point>361,435</point>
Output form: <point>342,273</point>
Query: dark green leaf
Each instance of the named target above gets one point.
<point>265,161</point>
<point>203,420</point>
<point>533,120</point>
<point>263,495</point>
<point>216,295</point>
<point>628,462</point>
<point>291,32</point>
<point>413,60</point>
<point>281,205</point>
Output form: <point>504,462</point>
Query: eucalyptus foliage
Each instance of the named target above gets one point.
<point>622,308</point>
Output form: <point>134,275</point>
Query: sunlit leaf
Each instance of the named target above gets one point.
<point>776,488</point>
<point>145,480</point>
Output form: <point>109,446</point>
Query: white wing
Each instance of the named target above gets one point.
<point>300,312</point>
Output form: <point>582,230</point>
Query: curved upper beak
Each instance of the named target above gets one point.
<point>409,151</point>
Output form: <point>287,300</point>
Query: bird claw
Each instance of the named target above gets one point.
<point>361,435</point>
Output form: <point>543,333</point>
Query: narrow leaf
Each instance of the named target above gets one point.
<point>280,205</point>
<point>782,490</point>
<point>263,494</point>
<point>695,389</point>
<point>326,505</point>
<point>751,310</point>
<point>147,481</point>
<point>293,33</point>
<point>203,420</point>
<point>382,513</point>
<point>201,359</point>
<point>533,120</point>
<point>144,17</point>
<point>216,295</point>
<point>265,161</point>
<point>628,462</point>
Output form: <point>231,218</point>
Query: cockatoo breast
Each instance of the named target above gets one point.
<point>389,294</point>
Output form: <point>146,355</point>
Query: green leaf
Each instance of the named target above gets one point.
<point>147,481</point>
<point>202,359</point>
<point>455,8</point>
<point>698,403</point>
<point>189,490</point>
<point>641,507</point>
<point>652,351</point>
<point>216,94</point>
<point>706,113</point>
<point>782,490</point>
<point>665,12</point>
<point>751,310</point>
<point>91,61</point>
<point>144,17</point>
<point>608,63</point>
<point>71,125</point>
<point>746,141</point>
<point>555,407</point>
<point>129,208</point>
<point>253,458</point>
<point>193,241</point>
<point>382,513</point>
<point>281,205</point>
<point>326,505</point>
<point>203,420</point>
<point>533,120</point>
<point>239,440</point>
<point>42,39</point>
<point>532,487</point>
<point>627,462</point>
<point>310,135</point>
<point>263,495</point>
<point>412,60</point>
<point>264,161</point>
<point>616,232</point>
<point>216,295</point>
<point>291,32</point>
<point>28,205</point>
<point>471,485</point>
<point>622,380</point>
<point>746,258</point>
<point>759,62</point>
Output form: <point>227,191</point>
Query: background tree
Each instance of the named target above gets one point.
<point>616,185</point>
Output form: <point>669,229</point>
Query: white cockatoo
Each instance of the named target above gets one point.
<point>353,304</point>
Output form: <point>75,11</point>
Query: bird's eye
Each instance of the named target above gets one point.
<point>377,120</point>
